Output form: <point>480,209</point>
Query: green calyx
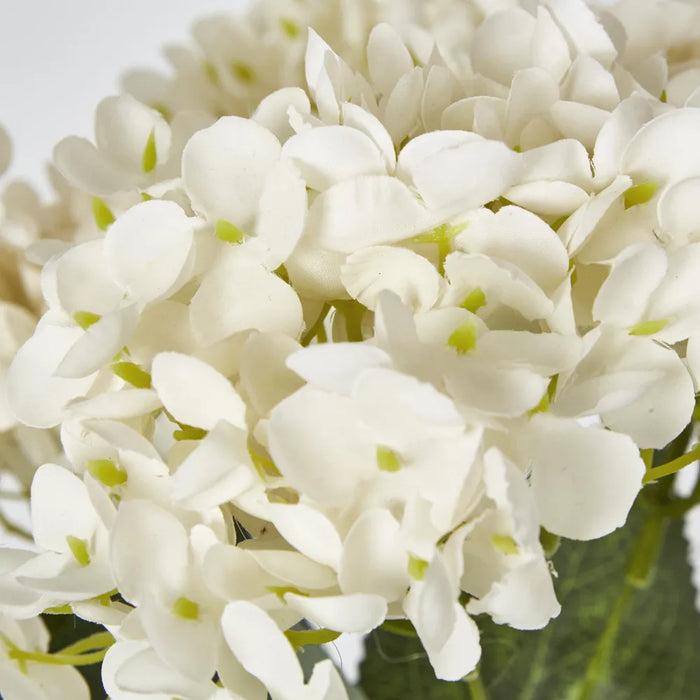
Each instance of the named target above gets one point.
<point>85,319</point>
<point>417,567</point>
<point>388,460</point>
<point>474,300</point>
<point>102,213</point>
<point>106,471</point>
<point>132,374</point>
<point>640,194</point>
<point>504,544</point>
<point>648,327</point>
<point>150,157</point>
<point>186,609</point>
<point>226,231</point>
<point>79,549</point>
<point>463,338</point>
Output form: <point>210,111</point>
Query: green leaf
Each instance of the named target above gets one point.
<point>652,656</point>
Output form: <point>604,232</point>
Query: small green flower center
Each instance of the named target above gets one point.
<point>106,471</point>
<point>388,460</point>
<point>226,231</point>
<point>102,213</point>
<point>417,567</point>
<point>149,158</point>
<point>243,72</point>
<point>85,319</point>
<point>463,338</point>
<point>79,549</point>
<point>474,300</point>
<point>186,609</point>
<point>504,544</point>
<point>648,327</point>
<point>640,194</point>
<point>132,374</point>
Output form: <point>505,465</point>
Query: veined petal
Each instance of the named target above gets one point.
<point>195,393</point>
<point>148,247</point>
<point>584,480</point>
<point>224,169</point>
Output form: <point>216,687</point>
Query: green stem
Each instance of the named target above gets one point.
<point>477,690</point>
<point>99,640</point>
<point>599,664</point>
<point>673,466</point>
<point>316,327</point>
<point>59,659</point>
<point>14,495</point>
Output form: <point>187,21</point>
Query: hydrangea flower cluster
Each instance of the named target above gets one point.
<point>349,316</point>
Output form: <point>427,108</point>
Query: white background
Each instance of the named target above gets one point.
<point>58,58</point>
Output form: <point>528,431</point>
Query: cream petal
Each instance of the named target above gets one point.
<point>224,169</point>
<point>367,272</point>
<point>387,58</point>
<point>327,155</point>
<point>368,210</point>
<point>99,344</point>
<point>36,396</point>
<point>240,294</point>
<point>148,248</point>
<point>195,393</point>
<point>584,480</point>
<point>349,613</point>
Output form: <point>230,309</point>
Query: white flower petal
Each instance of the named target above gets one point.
<point>501,44</point>
<point>86,168</point>
<point>148,247</point>
<point>327,155</point>
<point>195,393</point>
<point>467,176</point>
<point>679,215</point>
<point>239,294</point>
<point>366,122</point>
<point>524,598</point>
<point>216,471</point>
<point>548,198</point>
<point>368,210</point>
<point>387,57</point>
<point>664,148</point>
<point>142,565</point>
<point>37,397</point>
<point>584,480</point>
<point>273,110</point>
<point>347,613</point>
<point>262,649</point>
<point>335,367</point>
<point>99,344</point>
<point>224,169</point>
<point>374,558</point>
<point>265,379</point>
<point>367,272</point>
<point>61,507</point>
<point>317,442</point>
<point>126,403</point>
<point>281,215</point>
